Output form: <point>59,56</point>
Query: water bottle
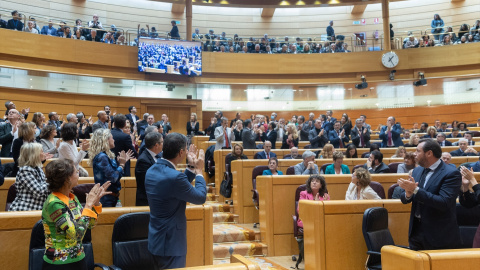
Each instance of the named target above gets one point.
<point>119,203</point>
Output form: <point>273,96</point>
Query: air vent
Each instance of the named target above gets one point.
<point>306,108</point>
<point>120,86</point>
<point>471,89</point>
<point>157,83</point>
<point>266,98</point>
<point>5,76</point>
<point>63,89</point>
<point>213,108</point>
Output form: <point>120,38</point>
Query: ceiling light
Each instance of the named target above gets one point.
<point>294,90</point>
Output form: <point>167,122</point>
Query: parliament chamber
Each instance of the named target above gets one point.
<point>276,62</point>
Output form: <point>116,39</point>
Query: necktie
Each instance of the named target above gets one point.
<point>390,142</point>
<point>268,156</point>
<point>226,139</point>
<point>341,143</point>
<point>362,143</point>
<point>421,184</point>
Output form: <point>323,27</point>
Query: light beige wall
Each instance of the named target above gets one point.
<point>305,22</point>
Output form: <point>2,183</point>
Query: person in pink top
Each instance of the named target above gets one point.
<point>316,190</point>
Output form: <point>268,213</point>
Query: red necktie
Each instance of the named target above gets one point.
<point>226,139</point>
<point>361,138</point>
<point>390,141</point>
<point>268,156</point>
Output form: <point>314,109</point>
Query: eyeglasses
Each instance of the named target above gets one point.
<point>191,167</point>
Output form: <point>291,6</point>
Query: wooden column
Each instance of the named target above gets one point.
<point>386,25</point>
<point>188,8</point>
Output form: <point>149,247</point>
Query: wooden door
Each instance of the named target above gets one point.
<point>178,116</point>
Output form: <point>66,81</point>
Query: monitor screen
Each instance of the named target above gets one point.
<point>170,56</point>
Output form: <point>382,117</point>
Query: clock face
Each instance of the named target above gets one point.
<point>390,59</point>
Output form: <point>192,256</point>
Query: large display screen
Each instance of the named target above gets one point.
<point>170,56</point>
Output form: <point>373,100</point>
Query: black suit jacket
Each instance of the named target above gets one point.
<point>132,121</point>
<point>272,137</point>
<point>437,202</point>
<point>447,143</point>
<point>123,142</point>
<point>459,153</point>
<point>144,162</point>
<point>356,137</point>
<point>315,141</point>
<point>15,25</point>
<point>6,139</point>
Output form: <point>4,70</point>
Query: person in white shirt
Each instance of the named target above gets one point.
<point>359,188</point>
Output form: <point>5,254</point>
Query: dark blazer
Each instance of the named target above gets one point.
<point>356,137</point>
<point>335,140</point>
<point>476,166</point>
<point>195,129</point>
<point>168,192</point>
<point>248,139</point>
<point>166,126</point>
<point>328,125</point>
<point>438,207</point>
<point>238,135</point>
<point>15,25</point>
<point>6,139</point>
<point>451,136</point>
<point>2,175</point>
<point>459,153</point>
<point>284,142</point>
<point>3,23</point>
<point>174,32</point>
<point>44,31</point>
<point>382,168</point>
<point>315,141</point>
<point>132,121</point>
<point>123,142</point>
<point>144,162</point>
<point>396,131</point>
<point>272,137</point>
<point>447,143</point>
<point>262,155</point>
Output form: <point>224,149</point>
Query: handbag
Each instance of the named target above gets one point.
<point>226,186</point>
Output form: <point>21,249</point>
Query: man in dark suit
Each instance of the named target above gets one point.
<point>266,153</point>
<point>166,125</point>
<point>337,136</point>
<point>390,134</point>
<point>330,31</point>
<point>360,135</point>
<point>463,149</point>
<point>375,163</point>
<point>248,136</point>
<point>328,121</point>
<point>53,120</point>
<point>123,142</point>
<point>49,29</point>
<point>272,134</point>
<point>7,132</point>
<point>16,22</point>
<point>441,139</point>
<point>317,136</point>
<point>174,34</point>
<point>432,189</point>
<point>132,116</point>
<point>455,133</point>
<point>168,192</point>
<point>3,23</point>
<point>303,133</point>
<point>154,146</point>
<point>215,122</point>
<point>468,135</point>
<point>150,122</point>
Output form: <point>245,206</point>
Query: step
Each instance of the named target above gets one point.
<point>220,217</point>
<point>233,233</point>
<point>265,263</point>
<point>212,197</point>
<point>220,207</point>
<point>211,189</point>
<point>224,250</point>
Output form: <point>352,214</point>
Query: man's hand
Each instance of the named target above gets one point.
<point>369,163</point>
<point>364,130</point>
<point>468,175</point>
<point>199,162</point>
<point>25,111</point>
<point>311,165</point>
<point>409,185</point>
<point>342,134</point>
<point>321,133</point>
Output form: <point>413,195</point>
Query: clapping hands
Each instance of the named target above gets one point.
<point>96,193</point>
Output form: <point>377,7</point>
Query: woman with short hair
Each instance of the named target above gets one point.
<point>26,134</point>
<point>272,167</point>
<point>105,166</point>
<point>408,164</point>
<point>68,148</point>
<point>64,219</point>
<point>316,190</point>
<point>337,167</point>
<point>359,188</point>
<point>400,153</point>
<point>30,183</point>
<point>48,141</point>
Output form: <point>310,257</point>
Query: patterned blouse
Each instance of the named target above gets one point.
<point>32,190</point>
<point>65,222</point>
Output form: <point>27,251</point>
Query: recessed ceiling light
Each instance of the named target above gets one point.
<point>349,89</point>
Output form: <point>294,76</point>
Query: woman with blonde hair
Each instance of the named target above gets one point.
<point>237,153</point>
<point>290,139</point>
<point>327,151</point>
<point>400,153</point>
<point>105,167</point>
<point>413,142</point>
<point>431,133</point>
<point>39,121</point>
<point>26,135</point>
<point>359,188</point>
<point>31,185</point>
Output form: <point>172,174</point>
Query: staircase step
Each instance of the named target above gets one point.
<point>212,197</point>
<point>220,207</point>
<point>220,217</point>
<point>233,233</point>
<point>249,226</point>
<point>225,250</point>
<point>210,189</point>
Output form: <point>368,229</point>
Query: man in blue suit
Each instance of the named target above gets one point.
<point>266,153</point>
<point>132,116</point>
<point>49,30</point>
<point>441,139</point>
<point>168,192</point>
<point>432,189</point>
<point>390,134</point>
<point>15,23</point>
<point>337,136</point>
<point>328,121</point>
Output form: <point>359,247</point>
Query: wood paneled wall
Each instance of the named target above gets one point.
<point>311,22</point>
<point>468,113</point>
<point>64,103</point>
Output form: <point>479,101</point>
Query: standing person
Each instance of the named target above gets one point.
<point>154,146</point>
<point>432,189</point>
<point>8,131</point>
<point>174,34</point>
<point>168,192</point>
<point>290,139</point>
<point>64,219</point>
<point>105,166</point>
<point>360,135</point>
<point>272,134</point>
<point>68,150</point>
<point>248,136</point>
<point>330,31</point>
<point>192,125</point>
<point>437,27</point>
<point>133,117</point>
<point>390,134</point>
<point>123,142</point>
<point>224,136</point>
<point>237,130</point>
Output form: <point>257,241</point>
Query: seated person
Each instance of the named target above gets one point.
<point>443,127</point>
<point>476,166</point>
<point>373,147</point>
<point>266,153</point>
<point>327,151</point>
<point>337,167</point>
<point>237,153</point>
<point>468,198</point>
<point>468,135</point>
<point>308,165</point>
<point>272,167</point>
<point>316,190</point>
<point>359,188</point>
<point>441,139</point>
<point>408,164</point>
<point>431,133</point>
<point>374,163</point>
<point>464,149</point>
<point>351,151</point>
<point>400,153</point>
<point>406,134</point>
<point>455,133</point>
<point>293,153</point>
<point>413,142</point>
<point>447,158</point>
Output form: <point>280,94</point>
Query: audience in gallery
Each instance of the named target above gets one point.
<point>359,188</point>
<point>337,167</point>
<point>272,167</point>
